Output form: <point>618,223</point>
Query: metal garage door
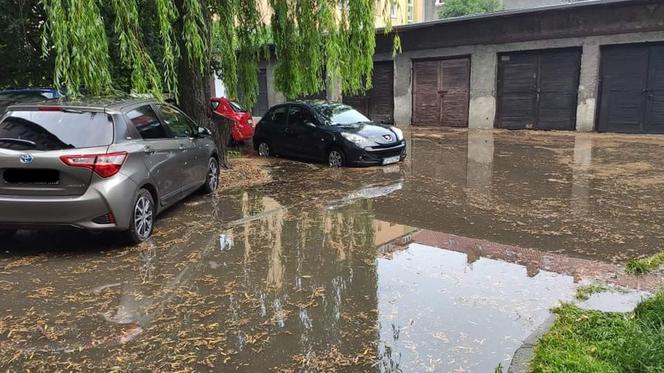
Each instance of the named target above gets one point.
<point>632,86</point>
<point>441,90</point>
<point>538,89</point>
<point>261,105</point>
<point>378,103</point>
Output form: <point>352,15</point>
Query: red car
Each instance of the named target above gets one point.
<point>243,123</point>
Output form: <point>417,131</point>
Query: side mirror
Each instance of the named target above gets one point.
<point>202,131</point>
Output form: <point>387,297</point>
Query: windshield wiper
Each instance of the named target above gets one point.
<point>20,141</point>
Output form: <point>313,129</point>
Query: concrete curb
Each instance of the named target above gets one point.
<point>525,354</point>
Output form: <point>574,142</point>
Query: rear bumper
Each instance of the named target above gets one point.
<point>360,157</point>
<point>242,132</point>
<point>18,211</point>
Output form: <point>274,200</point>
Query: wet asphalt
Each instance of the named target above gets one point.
<point>446,262</point>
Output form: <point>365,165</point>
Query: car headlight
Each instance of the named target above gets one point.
<point>397,132</point>
<point>356,139</point>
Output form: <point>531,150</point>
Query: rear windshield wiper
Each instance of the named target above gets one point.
<point>20,141</point>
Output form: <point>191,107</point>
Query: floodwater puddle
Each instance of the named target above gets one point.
<point>446,262</point>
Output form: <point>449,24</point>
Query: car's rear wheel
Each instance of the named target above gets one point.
<point>142,218</point>
<point>264,149</point>
<point>212,178</point>
<point>336,158</point>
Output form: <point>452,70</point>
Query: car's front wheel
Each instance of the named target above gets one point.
<point>142,218</point>
<point>264,149</point>
<point>336,158</point>
<point>212,178</point>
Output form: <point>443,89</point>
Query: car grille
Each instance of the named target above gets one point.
<point>385,153</point>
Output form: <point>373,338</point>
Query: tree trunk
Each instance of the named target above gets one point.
<point>194,89</point>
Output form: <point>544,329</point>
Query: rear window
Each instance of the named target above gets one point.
<point>55,130</point>
<point>237,107</point>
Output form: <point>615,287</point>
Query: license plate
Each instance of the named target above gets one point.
<point>391,160</point>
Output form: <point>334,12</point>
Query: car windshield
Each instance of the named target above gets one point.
<point>55,130</point>
<point>237,107</point>
<point>342,114</point>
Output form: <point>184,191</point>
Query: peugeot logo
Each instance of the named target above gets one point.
<point>387,137</point>
<point>26,158</point>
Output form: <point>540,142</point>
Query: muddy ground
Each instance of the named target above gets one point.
<point>445,262</point>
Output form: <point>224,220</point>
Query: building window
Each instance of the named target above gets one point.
<point>411,11</point>
<point>393,9</point>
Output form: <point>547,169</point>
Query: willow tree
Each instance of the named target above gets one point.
<point>311,41</point>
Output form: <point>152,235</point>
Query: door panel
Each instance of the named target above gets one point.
<point>301,139</point>
<point>378,103</point>
<point>426,100</point>
<point>538,89</point>
<point>455,90</point>
<point>558,89</point>
<point>517,91</point>
<point>655,91</point>
<point>160,152</point>
<point>624,77</point>
<point>381,99</point>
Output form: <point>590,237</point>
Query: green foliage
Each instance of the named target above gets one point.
<point>458,8</point>
<point>78,37</point>
<point>133,54</point>
<point>645,265</point>
<point>193,32</point>
<point>137,44</point>
<point>592,341</point>
<point>20,45</point>
<point>335,44</point>
<point>167,14</point>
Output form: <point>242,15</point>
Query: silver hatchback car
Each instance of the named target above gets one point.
<point>99,165</point>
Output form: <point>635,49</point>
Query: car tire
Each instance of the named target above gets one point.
<point>263,149</point>
<point>336,158</point>
<point>141,223</point>
<point>212,178</point>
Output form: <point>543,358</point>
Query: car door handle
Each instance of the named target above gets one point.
<point>148,149</point>
<point>181,147</point>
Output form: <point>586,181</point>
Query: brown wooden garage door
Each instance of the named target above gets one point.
<point>538,89</point>
<point>632,89</point>
<point>377,103</point>
<point>441,91</point>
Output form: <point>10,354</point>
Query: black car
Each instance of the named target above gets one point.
<point>329,132</point>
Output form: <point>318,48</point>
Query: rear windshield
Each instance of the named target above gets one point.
<point>55,130</point>
<point>237,107</point>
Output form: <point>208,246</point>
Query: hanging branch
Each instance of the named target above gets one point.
<point>76,30</point>
<point>167,15</point>
<point>144,74</point>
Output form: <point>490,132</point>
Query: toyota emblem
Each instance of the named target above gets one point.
<point>26,158</point>
<point>387,137</point>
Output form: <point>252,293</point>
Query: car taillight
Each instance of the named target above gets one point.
<point>104,165</point>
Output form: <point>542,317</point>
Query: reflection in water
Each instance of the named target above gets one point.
<point>581,177</point>
<point>480,160</point>
<point>444,265</point>
<point>469,317</point>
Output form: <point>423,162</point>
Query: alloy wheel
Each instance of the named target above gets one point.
<point>335,158</point>
<point>213,174</point>
<point>264,150</point>
<point>143,217</point>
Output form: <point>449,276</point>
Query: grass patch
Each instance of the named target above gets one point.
<point>645,265</point>
<point>593,341</point>
<point>584,292</point>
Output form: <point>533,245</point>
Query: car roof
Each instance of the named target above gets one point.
<point>316,104</point>
<point>87,103</point>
